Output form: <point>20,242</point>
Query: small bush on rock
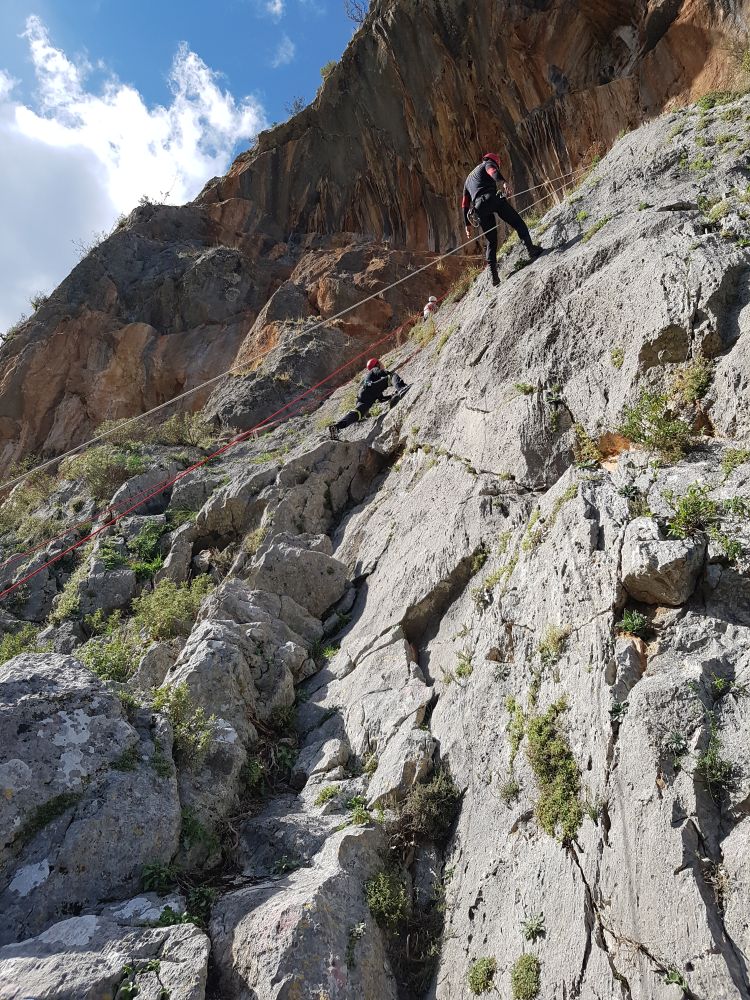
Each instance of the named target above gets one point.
<point>481,976</point>
<point>24,641</point>
<point>460,287</point>
<point>692,380</point>
<point>170,609</point>
<point>533,927</point>
<point>650,424</point>
<point>190,429</point>
<point>553,644</point>
<point>525,979</point>
<point>113,657</point>
<point>732,459</point>
<point>559,809</point>
<point>17,511</point>
<point>633,623</point>
<point>103,469</point>
<point>387,899</point>
<point>693,512</point>
<point>193,730</point>
<point>430,808</point>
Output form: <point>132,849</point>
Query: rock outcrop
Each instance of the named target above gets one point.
<point>236,279</point>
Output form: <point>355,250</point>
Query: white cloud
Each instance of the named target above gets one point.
<point>77,159</point>
<point>275,8</point>
<point>284,53</point>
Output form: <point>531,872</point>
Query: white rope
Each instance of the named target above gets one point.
<point>217,378</point>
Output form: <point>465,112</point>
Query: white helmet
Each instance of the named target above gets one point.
<point>432,298</point>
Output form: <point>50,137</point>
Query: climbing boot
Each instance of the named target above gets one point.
<point>535,251</point>
<point>494,274</point>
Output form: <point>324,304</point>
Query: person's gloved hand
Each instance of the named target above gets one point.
<point>468,233</point>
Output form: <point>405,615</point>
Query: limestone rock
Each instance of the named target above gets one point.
<point>292,933</point>
<point>83,810</point>
<point>656,570</point>
<point>311,578</point>
<point>86,956</point>
<point>407,760</point>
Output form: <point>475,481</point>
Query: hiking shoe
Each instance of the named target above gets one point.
<point>333,432</point>
<point>535,251</point>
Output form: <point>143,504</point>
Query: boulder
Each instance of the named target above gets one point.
<point>83,809</point>
<point>657,570</point>
<point>312,578</point>
<point>406,760</point>
<point>90,956</point>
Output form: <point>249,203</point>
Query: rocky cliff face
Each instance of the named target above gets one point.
<point>458,704</point>
<point>178,295</point>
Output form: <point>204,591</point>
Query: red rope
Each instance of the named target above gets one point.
<point>161,487</point>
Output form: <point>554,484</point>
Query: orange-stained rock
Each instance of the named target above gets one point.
<point>178,295</point>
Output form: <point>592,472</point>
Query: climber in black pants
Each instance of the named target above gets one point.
<point>481,194</point>
<point>372,391</point>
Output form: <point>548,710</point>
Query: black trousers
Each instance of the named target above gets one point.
<point>487,210</point>
<point>354,416</point>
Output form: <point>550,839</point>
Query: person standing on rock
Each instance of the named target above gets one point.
<point>372,391</point>
<point>431,308</point>
<point>481,195</point>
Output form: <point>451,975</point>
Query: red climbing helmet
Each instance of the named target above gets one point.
<point>373,363</point>
<point>494,157</point>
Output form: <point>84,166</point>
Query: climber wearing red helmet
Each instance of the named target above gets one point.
<point>372,391</point>
<point>480,193</point>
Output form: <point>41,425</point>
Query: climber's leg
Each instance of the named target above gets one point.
<point>488,222</point>
<point>509,215</point>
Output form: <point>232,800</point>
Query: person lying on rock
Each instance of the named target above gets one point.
<point>372,391</point>
<point>481,195</point>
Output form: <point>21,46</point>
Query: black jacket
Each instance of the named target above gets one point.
<point>375,384</point>
<point>483,180</point>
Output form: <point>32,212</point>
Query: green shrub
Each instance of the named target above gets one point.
<point>509,790</point>
<point>525,388</point>
<point>700,164</point>
<point>69,603</point>
<point>113,657</point>
<point>650,424</point>
<point>359,814</point>
<point>585,451</point>
<point>716,771</point>
<point>533,927</point>
<point>674,978</point>
<point>525,979</point>
<point>590,233</point>
<point>559,809</point>
<point>254,773</point>
<point>553,644</point>
<point>430,808</point>
<point>633,623</point>
<point>481,975</point>
<point>103,469</point>
<point>387,899</point>
<point>581,216</point>
<point>24,641</point>
<point>159,877</point>
<point>692,380</point>
<point>128,760</point>
<point>193,730</point>
<point>325,794</point>
<point>327,69</point>
<point>18,511</point>
<point>715,98</point>
<point>461,286</point>
<point>424,332</point>
<point>190,429</point>
<point>170,609</point>
<point>732,459</point>
<point>617,357</point>
<point>693,512</point>
<point>464,668</point>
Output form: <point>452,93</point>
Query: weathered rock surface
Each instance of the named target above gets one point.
<point>479,550</point>
<point>88,957</point>
<point>82,811</point>
<point>659,570</point>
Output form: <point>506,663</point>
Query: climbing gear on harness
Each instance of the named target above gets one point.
<point>473,218</point>
<point>373,363</point>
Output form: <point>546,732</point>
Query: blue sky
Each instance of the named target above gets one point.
<point>103,101</point>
